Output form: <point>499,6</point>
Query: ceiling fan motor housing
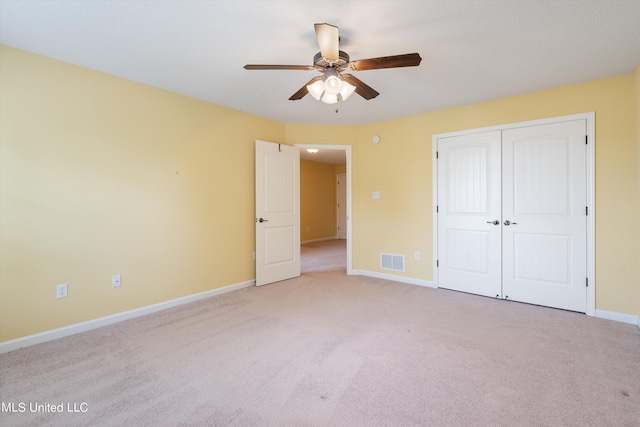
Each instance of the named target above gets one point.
<point>319,61</point>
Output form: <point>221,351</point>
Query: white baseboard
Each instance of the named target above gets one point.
<point>402,279</point>
<point>618,317</point>
<point>66,331</point>
<point>322,239</point>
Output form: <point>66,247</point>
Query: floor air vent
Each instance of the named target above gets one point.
<point>392,262</point>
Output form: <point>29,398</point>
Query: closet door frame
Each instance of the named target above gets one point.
<point>590,143</point>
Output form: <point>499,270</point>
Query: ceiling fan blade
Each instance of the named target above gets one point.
<point>328,40</point>
<point>362,89</point>
<point>396,61</point>
<point>279,67</point>
<point>303,90</point>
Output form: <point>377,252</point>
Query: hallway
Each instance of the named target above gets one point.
<point>326,255</point>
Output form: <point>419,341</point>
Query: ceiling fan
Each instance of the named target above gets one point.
<point>333,85</point>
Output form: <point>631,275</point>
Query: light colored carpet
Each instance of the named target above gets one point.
<point>327,349</point>
<point>326,255</point>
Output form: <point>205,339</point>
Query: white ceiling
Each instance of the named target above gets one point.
<point>472,50</point>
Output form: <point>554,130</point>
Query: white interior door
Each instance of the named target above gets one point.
<point>544,199</point>
<point>277,212</point>
<point>341,203</point>
<point>469,231</point>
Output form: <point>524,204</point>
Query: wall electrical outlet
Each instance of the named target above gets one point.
<point>115,281</point>
<point>61,291</point>
<point>416,255</point>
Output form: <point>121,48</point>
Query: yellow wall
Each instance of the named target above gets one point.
<point>400,168</point>
<point>320,134</point>
<point>104,176</point>
<point>317,200</point>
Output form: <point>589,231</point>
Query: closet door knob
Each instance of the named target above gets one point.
<point>496,222</point>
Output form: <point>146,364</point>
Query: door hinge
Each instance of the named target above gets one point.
<point>436,154</point>
<point>437,208</point>
<point>586,139</point>
<point>437,263</point>
<point>586,210</point>
<point>587,282</point>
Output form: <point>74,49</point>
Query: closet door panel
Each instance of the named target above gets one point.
<point>468,208</point>
<point>544,196</point>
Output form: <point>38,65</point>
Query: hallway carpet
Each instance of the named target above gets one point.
<point>323,256</point>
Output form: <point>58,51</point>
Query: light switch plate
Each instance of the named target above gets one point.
<point>115,281</point>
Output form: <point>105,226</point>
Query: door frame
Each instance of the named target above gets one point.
<point>347,150</point>
<point>591,218</point>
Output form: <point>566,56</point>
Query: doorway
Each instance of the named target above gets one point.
<point>346,151</point>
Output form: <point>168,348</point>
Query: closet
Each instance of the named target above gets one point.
<point>512,212</point>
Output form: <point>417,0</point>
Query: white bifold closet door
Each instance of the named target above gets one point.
<point>511,214</point>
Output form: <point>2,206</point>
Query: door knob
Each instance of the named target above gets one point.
<point>263,220</point>
<point>496,222</point>
<point>507,222</point>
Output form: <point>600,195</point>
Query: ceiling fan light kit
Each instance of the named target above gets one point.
<point>333,86</point>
